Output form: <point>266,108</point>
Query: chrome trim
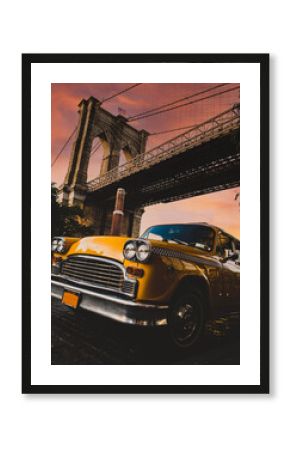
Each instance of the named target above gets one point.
<point>98,286</point>
<point>99,258</point>
<point>129,312</point>
<point>110,298</point>
<point>58,296</point>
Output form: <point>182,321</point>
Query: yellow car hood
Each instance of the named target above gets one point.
<point>112,247</point>
<point>106,246</point>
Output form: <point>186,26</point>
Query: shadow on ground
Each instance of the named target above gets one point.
<point>80,337</point>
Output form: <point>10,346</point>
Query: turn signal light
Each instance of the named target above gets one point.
<point>135,272</point>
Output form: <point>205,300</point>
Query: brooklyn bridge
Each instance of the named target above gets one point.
<point>203,159</point>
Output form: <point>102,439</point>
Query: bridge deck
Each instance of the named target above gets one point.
<point>225,124</point>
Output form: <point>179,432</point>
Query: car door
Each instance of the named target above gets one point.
<point>227,253</point>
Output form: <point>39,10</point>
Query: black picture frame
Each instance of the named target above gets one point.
<point>27,61</point>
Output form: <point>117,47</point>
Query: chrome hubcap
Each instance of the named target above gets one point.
<point>185,319</point>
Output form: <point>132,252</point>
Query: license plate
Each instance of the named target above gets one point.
<point>70,299</point>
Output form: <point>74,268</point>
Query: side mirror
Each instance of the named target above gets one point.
<point>230,255</point>
<point>235,256</point>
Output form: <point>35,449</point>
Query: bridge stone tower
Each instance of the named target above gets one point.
<point>115,135</point>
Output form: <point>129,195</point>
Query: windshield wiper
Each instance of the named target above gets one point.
<point>200,245</point>
<point>178,241</point>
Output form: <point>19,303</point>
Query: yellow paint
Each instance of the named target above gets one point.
<point>161,274</point>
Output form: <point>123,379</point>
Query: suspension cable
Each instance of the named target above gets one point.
<point>121,92</point>
<point>63,147</point>
<point>193,125</point>
<point>105,100</point>
<point>177,101</point>
<point>95,148</point>
<point>184,104</point>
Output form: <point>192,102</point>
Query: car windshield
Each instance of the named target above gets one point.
<point>199,236</point>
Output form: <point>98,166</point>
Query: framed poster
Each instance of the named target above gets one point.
<point>142,174</point>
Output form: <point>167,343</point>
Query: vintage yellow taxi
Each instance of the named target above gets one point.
<point>174,275</point>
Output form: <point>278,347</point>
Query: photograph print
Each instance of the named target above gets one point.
<point>155,173</point>
<point>145,223</point>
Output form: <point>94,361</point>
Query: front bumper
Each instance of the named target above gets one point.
<point>113,306</point>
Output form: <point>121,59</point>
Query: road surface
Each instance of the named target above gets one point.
<point>80,337</point>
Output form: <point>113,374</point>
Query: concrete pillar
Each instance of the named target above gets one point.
<point>76,177</point>
<point>106,157</point>
<point>100,217</point>
<point>132,222</point>
<point>118,213</point>
<point>80,175</point>
<point>136,222</point>
<point>115,134</point>
<point>72,168</point>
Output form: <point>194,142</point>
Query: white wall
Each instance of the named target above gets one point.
<point>78,422</point>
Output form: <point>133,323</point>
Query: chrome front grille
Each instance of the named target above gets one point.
<point>99,272</point>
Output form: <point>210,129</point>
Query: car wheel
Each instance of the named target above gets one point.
<point>186,321</point>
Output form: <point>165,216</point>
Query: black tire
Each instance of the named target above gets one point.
<point>187,318</point>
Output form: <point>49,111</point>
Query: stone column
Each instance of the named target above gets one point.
<point>136,222</point>
<point>118,213</point>
<point>76,146</point>
<point>131,222</point>
<point>80,175</point>
<point>106,157</point>
<point>76,178</point>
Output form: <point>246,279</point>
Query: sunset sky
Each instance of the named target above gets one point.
<point>219,208</point>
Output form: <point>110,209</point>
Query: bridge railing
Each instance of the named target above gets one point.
<point>213,128</point>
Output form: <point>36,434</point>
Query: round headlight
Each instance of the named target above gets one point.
<point>54,245</point>
<point>60,247</point>
<point>143,252</point>
<point>129,250</point>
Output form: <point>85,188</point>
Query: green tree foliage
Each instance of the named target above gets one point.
<point>67,221</point>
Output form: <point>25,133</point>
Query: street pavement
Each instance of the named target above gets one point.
<point>80,337</point>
